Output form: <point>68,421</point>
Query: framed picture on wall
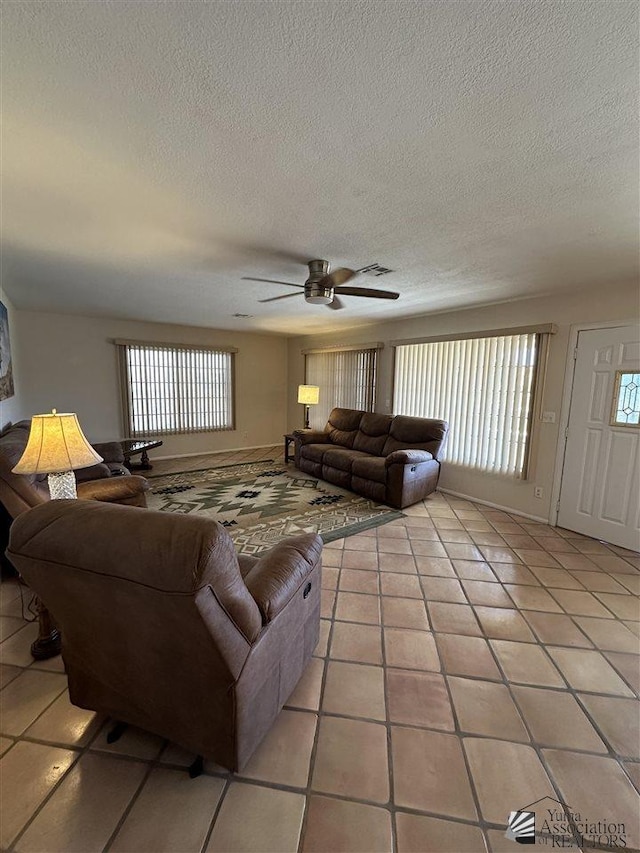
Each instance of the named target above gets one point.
<point>6,369</point>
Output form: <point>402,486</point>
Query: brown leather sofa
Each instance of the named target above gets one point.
<point>164,627</point>
<point>106,481</point>
<point>392,460</point>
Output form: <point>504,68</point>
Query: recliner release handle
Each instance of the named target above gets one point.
<point>306,590</point>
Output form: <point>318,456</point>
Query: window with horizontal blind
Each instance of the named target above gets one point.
<point>169,389</point>
<point>483,387</point>
<point>346,378</point>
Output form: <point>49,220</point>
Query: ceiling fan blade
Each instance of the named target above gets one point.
<point>338,277</point>
<point>367,291</point>
<point>271,281</point>
<point>336,303</point>
<point>275,298</point>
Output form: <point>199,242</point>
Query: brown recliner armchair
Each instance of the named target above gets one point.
<point>164,627</point>
<point>106,481</point>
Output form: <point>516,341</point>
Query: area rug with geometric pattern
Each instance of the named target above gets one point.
<point>261,503</point>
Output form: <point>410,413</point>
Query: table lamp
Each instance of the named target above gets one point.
<point>308,395</point>
<point>57,447</point>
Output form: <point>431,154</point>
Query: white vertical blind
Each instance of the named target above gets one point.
<point>173,389</point>
<point>482,386</point>
<point>346,378</point>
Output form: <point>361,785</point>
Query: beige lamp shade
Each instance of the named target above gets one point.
<point>308,394</point>
<point>56,444</point>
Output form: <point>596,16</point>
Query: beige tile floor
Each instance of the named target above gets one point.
<point>470,662</point>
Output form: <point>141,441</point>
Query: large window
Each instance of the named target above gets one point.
<point>346,378</point>
<point>168,388</point>
<point>483,387</point>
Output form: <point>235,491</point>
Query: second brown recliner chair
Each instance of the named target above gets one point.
<point>164,628</point>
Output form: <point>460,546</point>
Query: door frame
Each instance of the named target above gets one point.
<point>565,406</point>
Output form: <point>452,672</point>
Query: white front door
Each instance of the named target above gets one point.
<point>600,481</point>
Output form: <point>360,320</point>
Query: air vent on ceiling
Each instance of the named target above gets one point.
<point>375,269</point>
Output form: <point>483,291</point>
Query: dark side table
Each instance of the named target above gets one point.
<point>289,437</point>
<point>133,446</point>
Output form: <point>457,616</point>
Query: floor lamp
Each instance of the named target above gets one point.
<point>57,447</point>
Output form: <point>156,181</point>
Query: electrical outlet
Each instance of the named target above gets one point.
<point>548,417</point>
<point>538,492</point>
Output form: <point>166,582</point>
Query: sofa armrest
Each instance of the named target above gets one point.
<point>112,488</point>
<point>276,577</point>
<point>311,437</point>
<point>111,451</point>
<point>407,457</point>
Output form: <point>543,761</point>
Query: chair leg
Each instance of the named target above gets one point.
<point>196,768</point>
<point>116,732</point>
<point>48,642</point>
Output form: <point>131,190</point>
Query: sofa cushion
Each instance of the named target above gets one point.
<point>415,433</point>
<point>370,468</point>
<point>373,433</point>
<point>111,451</point>
<point>314,452</point>
<point>311,467</point>
<point>369,489</point>
<point>93,472</point>
<point>342,458</point>
<point>12,445</point>
<point>25,424</point>
<point>343,426</point>
<point>336,476</point>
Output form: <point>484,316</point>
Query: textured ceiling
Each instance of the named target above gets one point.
<point>155,152</point>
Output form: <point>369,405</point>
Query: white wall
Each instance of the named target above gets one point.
<point>605,304</point>
<point>13,408</point>
<point>69,362</point>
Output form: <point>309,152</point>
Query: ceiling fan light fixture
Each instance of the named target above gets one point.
<point>325,288</point>
<point>318,295</point>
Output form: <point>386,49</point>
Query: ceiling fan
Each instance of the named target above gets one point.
<point>324,287</point>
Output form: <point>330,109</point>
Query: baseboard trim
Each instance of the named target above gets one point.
<point>214,452</point>
<point>508,509</point>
